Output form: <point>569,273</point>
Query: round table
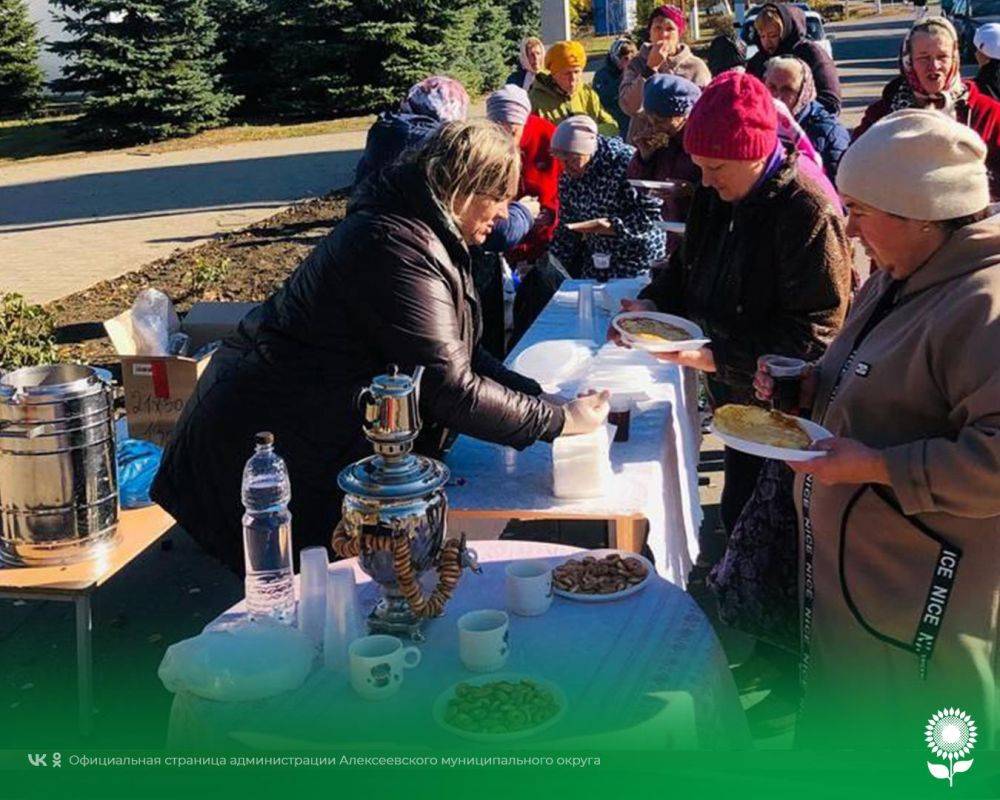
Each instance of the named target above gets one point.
<point>643,672</point>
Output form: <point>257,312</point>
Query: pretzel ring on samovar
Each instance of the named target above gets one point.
<point>448,564</point>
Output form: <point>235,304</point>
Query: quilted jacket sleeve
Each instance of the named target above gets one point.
<point>410,313</point>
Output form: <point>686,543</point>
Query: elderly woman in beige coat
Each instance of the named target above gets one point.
<point>664,54</point>
<point>900,520</point>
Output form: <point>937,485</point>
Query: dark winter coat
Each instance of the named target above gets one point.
<point>389,137</point>
<point>828,136</point>
<point>988,79</point>
<point>669,162</point>
<point>794,43</point>
<point>390,285</point>
<point>607,81</point>
<point>770,274</point>
<point>604,191</point>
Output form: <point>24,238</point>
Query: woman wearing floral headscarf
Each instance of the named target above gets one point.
<point>530,60</point>
<point>790,80</point>
<point>929,78</point>
<point>427,105</point>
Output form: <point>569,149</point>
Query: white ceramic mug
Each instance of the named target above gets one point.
<point>529,587</point>
<point>377,665</point>
<point>484,639</point>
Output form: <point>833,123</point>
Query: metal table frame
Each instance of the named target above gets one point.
<point>76,583</point>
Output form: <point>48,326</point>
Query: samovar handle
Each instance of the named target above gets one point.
<point>364,399</point>
<point>418,374</point>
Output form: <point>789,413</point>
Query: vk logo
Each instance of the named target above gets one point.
<point>38,759</point>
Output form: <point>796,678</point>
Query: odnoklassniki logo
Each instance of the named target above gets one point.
<point>950,734</point>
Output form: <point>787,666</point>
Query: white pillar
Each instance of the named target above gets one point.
<point>693,24</point>
<point>555,21</point>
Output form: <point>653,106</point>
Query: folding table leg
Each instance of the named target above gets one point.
<point>84,664</point>
<point>628,534</point>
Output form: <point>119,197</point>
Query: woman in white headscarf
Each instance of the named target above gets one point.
<point>531,61</point>
<point>930,77</point>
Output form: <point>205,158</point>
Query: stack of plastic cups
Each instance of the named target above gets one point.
<point>343,619</point>
<point>585,311</point>
<point>312,593</point>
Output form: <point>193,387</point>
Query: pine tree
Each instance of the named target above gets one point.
<point>147,68</point>
<point>20,76</point>
<point>525,21</point>
<point>490,50</point>
<point>246,41</point>
<point>345,57</point>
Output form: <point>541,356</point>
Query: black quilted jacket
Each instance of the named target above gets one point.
<point>391,284</point>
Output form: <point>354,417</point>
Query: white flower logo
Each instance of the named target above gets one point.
<point>951,734</point>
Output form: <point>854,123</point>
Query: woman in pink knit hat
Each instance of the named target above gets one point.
<point>665,53</point>
<point>765,263</point>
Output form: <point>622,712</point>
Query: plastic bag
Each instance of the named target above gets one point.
<point>153,320</point>
<point>138,463</point>
<point>248,661</point>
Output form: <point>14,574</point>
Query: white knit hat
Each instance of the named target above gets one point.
<point>987,39</point>
<point>919,164</point>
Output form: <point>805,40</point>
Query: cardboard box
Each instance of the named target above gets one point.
<point>206,322</point>
<point>157,387</point>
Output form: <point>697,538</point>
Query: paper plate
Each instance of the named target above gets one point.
<point>441,706</point>
<point>641,184</point>
<point>606,598</point>
<point>696,341</point>
<point>816,432</point>
<point>552,362</point>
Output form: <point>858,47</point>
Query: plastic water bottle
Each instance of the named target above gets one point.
<point>267,534</point>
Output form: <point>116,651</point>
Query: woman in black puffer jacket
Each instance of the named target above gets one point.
<point>391,284</point>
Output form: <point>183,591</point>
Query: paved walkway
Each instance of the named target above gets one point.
<point>66,224</point>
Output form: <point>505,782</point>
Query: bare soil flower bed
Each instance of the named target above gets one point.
<point>246,265</point>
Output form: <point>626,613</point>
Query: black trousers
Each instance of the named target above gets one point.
<point>740,477</point>
<point>535,291</point>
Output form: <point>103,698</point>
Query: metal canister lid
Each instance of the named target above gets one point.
<point>375,478</point>
<point>49,382</point>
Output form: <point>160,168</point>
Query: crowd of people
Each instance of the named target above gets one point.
<point>827,562</point>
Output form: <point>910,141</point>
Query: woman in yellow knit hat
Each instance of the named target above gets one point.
<point>560,92</point>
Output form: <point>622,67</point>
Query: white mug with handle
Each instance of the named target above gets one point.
<point>378,664</point>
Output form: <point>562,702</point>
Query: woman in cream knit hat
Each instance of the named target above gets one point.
<point>900,520</point>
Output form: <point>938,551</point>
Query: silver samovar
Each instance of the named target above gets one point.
<point>395,509</point>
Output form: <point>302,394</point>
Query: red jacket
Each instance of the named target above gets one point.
<point>539,178</point>
<point>981,113</point>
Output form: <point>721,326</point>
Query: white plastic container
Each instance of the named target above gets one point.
<point>581,465</point>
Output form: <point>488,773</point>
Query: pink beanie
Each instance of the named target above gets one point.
<point>734,119</point>
<point>673,13</point>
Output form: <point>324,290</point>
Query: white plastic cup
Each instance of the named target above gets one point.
<point>585,311</point>
<point>343,617</point>
<point>313,565</point>
<point>529,587</point>
<point>484,639</point>
<point>378,664</point>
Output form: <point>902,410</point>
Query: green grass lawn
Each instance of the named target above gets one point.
<point>21,139</point>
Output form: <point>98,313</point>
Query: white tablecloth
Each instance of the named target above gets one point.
<point>655,472</point>
<point>634,668</point>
